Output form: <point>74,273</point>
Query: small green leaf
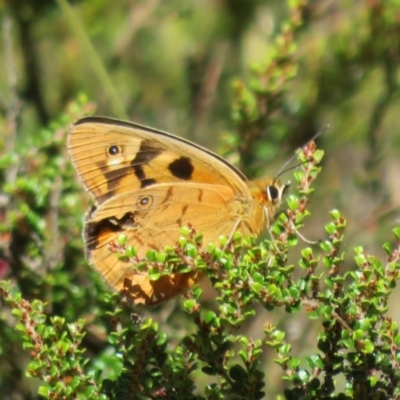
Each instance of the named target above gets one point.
<point>209,317</point>
<point>154,274</point>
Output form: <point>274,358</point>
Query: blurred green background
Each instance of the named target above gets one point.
<point>176,66</point>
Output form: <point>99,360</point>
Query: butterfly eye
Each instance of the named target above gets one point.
<point>144,202</point>
<point>272,192</point>
<point>114,150</point>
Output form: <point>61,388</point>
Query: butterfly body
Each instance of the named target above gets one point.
<point>147,184</point>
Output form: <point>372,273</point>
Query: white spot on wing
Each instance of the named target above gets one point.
<point>114,161</point>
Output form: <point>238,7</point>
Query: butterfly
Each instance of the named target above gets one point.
<point>147,184</point>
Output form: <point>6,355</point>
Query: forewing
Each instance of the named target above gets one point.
<point>113,157</point>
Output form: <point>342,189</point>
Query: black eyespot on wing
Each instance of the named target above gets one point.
<point>144,202</point>
<point>114,150</point>
<point>182,168</point>
<point>272,192</point>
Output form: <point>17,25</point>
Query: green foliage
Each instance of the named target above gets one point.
<point>54,345</point>
<point>288,319</point>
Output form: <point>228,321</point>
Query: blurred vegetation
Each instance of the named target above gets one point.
<point>252,80</point>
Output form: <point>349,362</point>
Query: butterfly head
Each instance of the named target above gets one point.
<point>274,191</point>
<point>269,193</point>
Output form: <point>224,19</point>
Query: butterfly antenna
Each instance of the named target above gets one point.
<point>283,169</point>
